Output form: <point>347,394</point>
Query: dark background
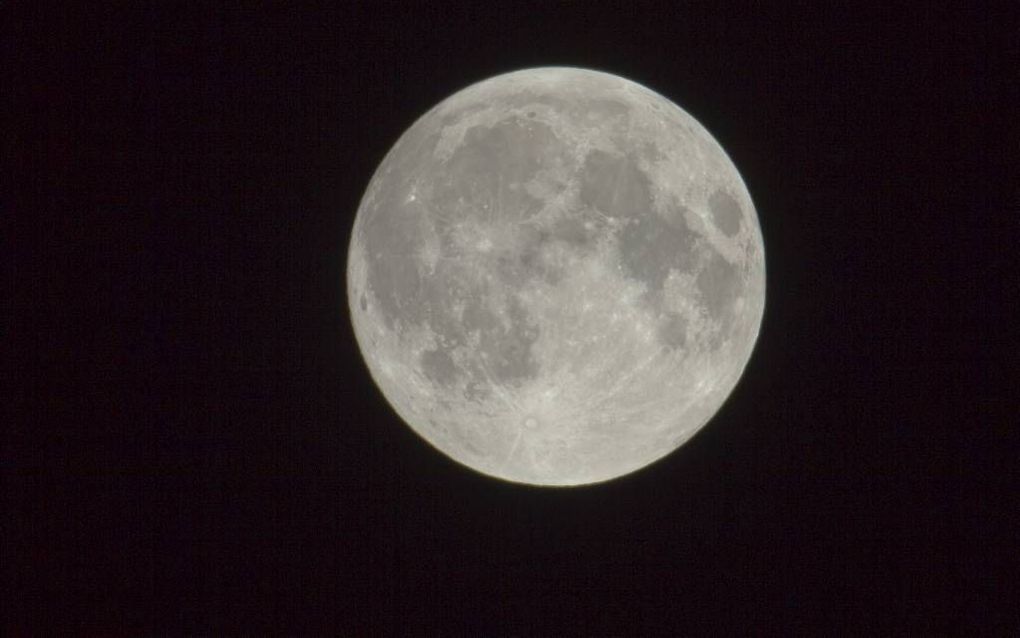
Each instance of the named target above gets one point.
<point>193,444</point>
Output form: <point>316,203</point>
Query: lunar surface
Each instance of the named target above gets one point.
<point>556,276</point>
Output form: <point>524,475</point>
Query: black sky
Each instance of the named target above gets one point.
<point>194,446</point>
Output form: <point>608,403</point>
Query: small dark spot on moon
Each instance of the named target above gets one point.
<point>532,114</point>
<point>725,212</point>
<point>439,366</point>
<point>719,284</point>
<point>363,302</point>
<point>572,231</point>
<point>673,331</point>
<point>650,151</point>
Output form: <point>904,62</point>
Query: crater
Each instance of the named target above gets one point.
<point>726,213</point>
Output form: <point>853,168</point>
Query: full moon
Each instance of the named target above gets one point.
<point>556,276</point>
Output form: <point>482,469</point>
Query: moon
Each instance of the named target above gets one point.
<point>556,276</point>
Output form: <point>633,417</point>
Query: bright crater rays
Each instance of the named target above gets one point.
<point>556,276</point>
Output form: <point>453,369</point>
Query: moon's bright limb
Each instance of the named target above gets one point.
<point>556,276</point>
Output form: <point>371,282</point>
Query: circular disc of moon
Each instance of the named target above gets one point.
<point>556,276</point>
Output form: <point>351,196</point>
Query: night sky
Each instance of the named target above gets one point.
<point>193,445</point>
